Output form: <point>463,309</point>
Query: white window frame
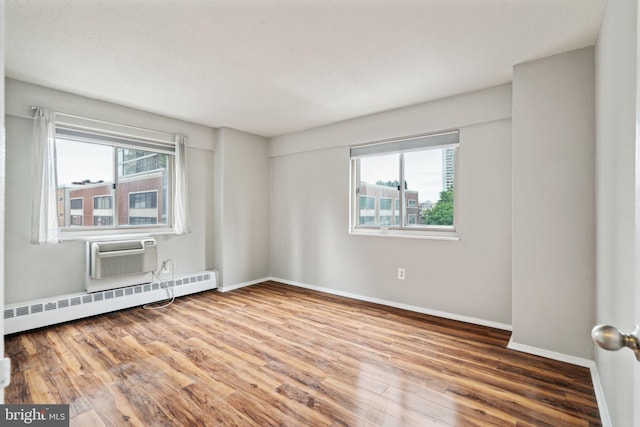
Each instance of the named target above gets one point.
<point>80,129</point>
<point>449,139</point>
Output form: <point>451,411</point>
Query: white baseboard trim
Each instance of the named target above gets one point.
<point>561,357</point>
<point>595,378</point>
<point>227,288</point>
<point>605,417</point>
<point>417,309</point>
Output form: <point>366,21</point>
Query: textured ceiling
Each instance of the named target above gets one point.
<point>271,67</point>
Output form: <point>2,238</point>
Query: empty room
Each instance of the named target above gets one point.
<point>319,212</point>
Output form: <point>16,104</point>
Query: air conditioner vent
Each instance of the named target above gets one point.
<point>114,259</point>
<point>124,245</point>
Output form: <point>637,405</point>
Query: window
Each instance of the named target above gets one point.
<point>413,181</point>
<point>367,203</point>
<point>385,220</point>
<point>143,200</point>
<point>75,204</point>
<point>102,202</point>
<point>143,208</point>
<point>126,179</point>
<point>102,221</point>
<point>385,203</point>
<point>137,220</point>
<point>367,220</point>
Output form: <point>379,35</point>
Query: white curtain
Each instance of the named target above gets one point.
<point>181,189</point>
<point>44,215</point>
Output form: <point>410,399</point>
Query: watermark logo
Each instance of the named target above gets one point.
<point>34,415</point>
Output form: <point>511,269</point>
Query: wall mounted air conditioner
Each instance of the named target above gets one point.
<point>118,263</point>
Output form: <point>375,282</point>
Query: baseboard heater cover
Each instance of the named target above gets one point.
<point>23,316</point>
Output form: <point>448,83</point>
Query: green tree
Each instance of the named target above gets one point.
<point>442,212</point>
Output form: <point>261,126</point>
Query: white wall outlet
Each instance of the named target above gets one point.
<point>401,273</point>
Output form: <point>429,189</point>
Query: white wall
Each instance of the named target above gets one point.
<point>617,112</point>
<point>242,205</point>
<point>469,278</point>
<point>481,106</point>
<point>35,271</point>
<point>554,203</point>
<point>2,180</point>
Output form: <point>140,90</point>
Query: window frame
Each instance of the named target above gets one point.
<point>83,130</point>
<point>102,196</point>
<point>441,140</point>
<point>139,192</point>
<point>71,217</point>
<point>71,200</point>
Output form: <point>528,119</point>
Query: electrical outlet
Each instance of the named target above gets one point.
<point>401,273</point>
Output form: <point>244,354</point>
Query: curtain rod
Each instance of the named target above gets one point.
<point>158,132</point>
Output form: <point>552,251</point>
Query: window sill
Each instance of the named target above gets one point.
<point>407,234</point>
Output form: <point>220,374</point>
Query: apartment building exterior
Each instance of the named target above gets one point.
<point>448,177</point>
<point>379,205</point>
<point>138,197</point>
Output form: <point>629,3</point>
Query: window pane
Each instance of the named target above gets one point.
<point>379,183</point>
<point>103,202</point>
<point>143,182</point>
<point>139,220</point>
<point>85,183</point>
<point>102,221</point>
<point>385,203</point>
<point>75,203</point>
<point>90,193</point>
<point>429,176</point>
<point>367,203</point>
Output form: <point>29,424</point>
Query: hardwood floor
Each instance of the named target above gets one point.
<point>273,354</point>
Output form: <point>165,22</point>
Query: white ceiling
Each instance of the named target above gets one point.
<point>276,66</point>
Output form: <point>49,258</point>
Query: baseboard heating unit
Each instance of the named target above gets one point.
<point>33,314</point>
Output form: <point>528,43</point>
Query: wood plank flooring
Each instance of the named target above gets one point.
<point>273,354</point>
